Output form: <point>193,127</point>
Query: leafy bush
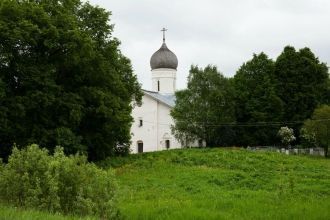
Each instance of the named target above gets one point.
<point>287,135</point>
<point>33,178</point>
<point>316,131</point>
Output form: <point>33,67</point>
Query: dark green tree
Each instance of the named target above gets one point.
<point>204,108</point>
<point>327,97</point>
<point>302,83</point>
<point>257,104</point>
<point>63,79</point>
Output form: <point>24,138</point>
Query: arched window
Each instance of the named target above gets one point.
<point>140,146</point>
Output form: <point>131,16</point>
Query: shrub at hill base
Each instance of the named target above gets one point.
<point>70,185</point>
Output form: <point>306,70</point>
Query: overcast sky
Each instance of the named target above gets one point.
<point>220,32</point>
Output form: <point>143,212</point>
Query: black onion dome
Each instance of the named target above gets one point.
<point>164,58</point>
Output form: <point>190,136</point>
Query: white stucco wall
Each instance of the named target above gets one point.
<point>164,128</point>
<point>156,126</point>
<point>166,78</point>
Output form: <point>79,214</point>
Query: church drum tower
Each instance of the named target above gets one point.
<point>164,65</point>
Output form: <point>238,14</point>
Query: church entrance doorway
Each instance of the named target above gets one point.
<point>140,146</point>
<point>167,144</point>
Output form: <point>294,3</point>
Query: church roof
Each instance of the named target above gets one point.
<point>167,99</point>
<point>164,58</point>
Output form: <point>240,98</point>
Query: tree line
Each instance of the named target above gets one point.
<point>64,82</point>
<point>249,108</point>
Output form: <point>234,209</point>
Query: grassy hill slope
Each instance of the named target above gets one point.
<point>222,184</point>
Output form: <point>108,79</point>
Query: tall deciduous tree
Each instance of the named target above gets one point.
<point>204,107</point>
<point>302,83</point>
<point>257,101</point>
<point>63,79</point>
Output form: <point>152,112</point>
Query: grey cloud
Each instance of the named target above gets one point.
<point>223,33</point>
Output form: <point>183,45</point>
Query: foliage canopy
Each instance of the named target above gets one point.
<point>257,101</point>
<point>262,97</point>
<point>202,109</point>
<point>63,79</point>
<point>302,83</point>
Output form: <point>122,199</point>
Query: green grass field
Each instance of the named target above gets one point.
<point>10,213</point>
<point>222,184</point>
<point>215,184</point>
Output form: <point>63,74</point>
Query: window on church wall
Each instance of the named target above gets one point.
<point>158,85</point>
<point>140,122</point>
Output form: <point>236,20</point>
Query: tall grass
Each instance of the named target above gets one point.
<point>10,213</point>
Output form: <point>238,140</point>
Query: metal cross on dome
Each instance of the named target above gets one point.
<point>163,30</point>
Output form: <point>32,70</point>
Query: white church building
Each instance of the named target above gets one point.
<point>151,129</point>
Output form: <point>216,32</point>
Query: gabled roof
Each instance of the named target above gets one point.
<point>167,99</point>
